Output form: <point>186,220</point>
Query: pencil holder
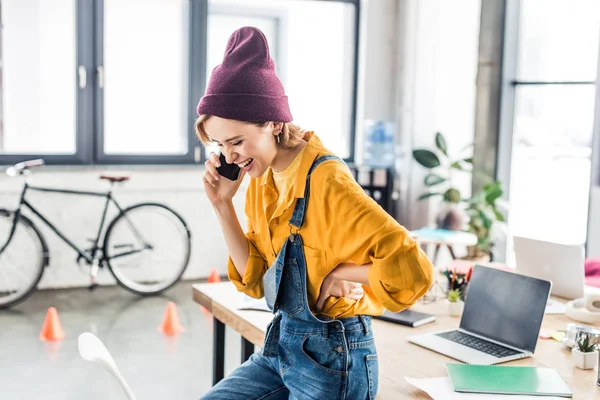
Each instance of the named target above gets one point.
<point>459,283</point>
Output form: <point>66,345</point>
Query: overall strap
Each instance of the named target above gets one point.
<point>301,204</point>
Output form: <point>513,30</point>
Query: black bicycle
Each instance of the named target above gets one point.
<point>146,246</point>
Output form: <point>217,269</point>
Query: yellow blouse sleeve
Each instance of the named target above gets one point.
<point>252,282</point>
<point>360,231</point>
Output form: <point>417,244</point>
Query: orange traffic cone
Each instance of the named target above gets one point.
<point>214,276</point>
<point>171,325</point>
<point>52,329</point>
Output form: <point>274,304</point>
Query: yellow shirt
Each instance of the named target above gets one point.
<point>284,180</point>
<point>342,224</point>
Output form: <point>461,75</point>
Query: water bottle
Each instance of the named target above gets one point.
<point>379,144</point>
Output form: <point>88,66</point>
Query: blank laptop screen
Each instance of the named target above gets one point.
<point>505,306</point>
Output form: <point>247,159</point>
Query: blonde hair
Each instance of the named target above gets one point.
<point>290,136</point>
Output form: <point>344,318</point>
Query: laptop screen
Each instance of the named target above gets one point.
<point>505,307</point>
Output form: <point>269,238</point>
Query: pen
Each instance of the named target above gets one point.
<point>453,278</point>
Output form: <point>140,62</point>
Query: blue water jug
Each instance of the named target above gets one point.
<point>378,146</point>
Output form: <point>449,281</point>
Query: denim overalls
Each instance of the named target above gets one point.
<point>304,356</point>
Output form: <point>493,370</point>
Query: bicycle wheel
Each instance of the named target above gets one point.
<point>22,261</point>
<point>147,248</point>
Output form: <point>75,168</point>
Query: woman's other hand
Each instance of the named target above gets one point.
<point>333,286</point>
<point>219,190</point>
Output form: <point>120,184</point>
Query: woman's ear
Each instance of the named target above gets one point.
<point>277,127</point>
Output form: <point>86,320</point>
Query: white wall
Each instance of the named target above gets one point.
<point>437,68</point>
<point>377,65</point>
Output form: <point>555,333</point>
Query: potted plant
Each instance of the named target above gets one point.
<point>455,303</point>
<point>482,212</point>
<point>475,214</point>
<point>584,353</point>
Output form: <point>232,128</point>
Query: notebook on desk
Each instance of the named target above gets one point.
<point>494,379</point>
<point>407,317</point>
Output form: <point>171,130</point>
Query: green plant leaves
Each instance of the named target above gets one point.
<point>480,205</point>
<point>454,295</point>
<point>492,192</point>
<point>486,220</point>
<point>426,158</point>
<point>465,165</point>
<point>457,165</point>
<point>428,195</point>
<point>433,179</point>
<point>498,215</point>
<point>585,344</point>
<point>440,143</point>
<point>452,196</point>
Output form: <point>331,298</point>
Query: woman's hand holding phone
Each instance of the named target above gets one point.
<point>220,189</point>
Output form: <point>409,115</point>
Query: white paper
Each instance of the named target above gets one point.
<point>555,307</point>
<point>249,303</point>
<point>441,388</point>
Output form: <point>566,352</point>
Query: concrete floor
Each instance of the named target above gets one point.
<point>154,365</point>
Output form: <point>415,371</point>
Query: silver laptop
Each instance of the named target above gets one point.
<point>501,320</point>
<point>561,264</point>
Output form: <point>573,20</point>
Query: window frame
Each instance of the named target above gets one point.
<point>100,156</point>
<point>510,83</point>
<point>509,89</point>
<point>84,121</point>
<point>89,135</point>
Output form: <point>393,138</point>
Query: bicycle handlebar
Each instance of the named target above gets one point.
<point>20,168</point>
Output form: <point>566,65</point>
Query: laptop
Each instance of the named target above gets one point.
<point>561,264</point>
<point>500,322</point>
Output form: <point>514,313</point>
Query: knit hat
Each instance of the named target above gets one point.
<point>245,87</point>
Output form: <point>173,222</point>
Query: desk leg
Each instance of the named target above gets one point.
<point>218,351</point>
<point>247,349</point>
<point>451,250</point>
<point>436,252</point>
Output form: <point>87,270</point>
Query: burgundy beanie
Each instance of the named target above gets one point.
<point>245,87</point>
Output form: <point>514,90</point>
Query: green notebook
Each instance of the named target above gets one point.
<point>496,379</point>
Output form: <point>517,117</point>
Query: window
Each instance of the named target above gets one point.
<point>37,78</point>
<point>117,81</point>
<point>554,96</point>
<point>145,77</point>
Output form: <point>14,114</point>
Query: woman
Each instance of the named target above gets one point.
<point>323,254</point>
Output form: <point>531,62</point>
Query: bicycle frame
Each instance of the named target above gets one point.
<point>91,257</point>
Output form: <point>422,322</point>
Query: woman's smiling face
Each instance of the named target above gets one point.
<point>250,146</point>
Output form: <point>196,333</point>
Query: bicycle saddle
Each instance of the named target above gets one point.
<point>114,178</point>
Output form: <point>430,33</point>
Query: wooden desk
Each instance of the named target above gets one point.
<point>397,357</point>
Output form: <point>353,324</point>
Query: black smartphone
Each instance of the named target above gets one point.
<point>229,171</point>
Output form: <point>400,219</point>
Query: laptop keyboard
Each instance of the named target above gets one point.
<point>478,344</point>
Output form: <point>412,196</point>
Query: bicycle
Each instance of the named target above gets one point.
<point>146,246</point>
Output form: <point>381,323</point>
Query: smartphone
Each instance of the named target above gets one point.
<point>229,171</point>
